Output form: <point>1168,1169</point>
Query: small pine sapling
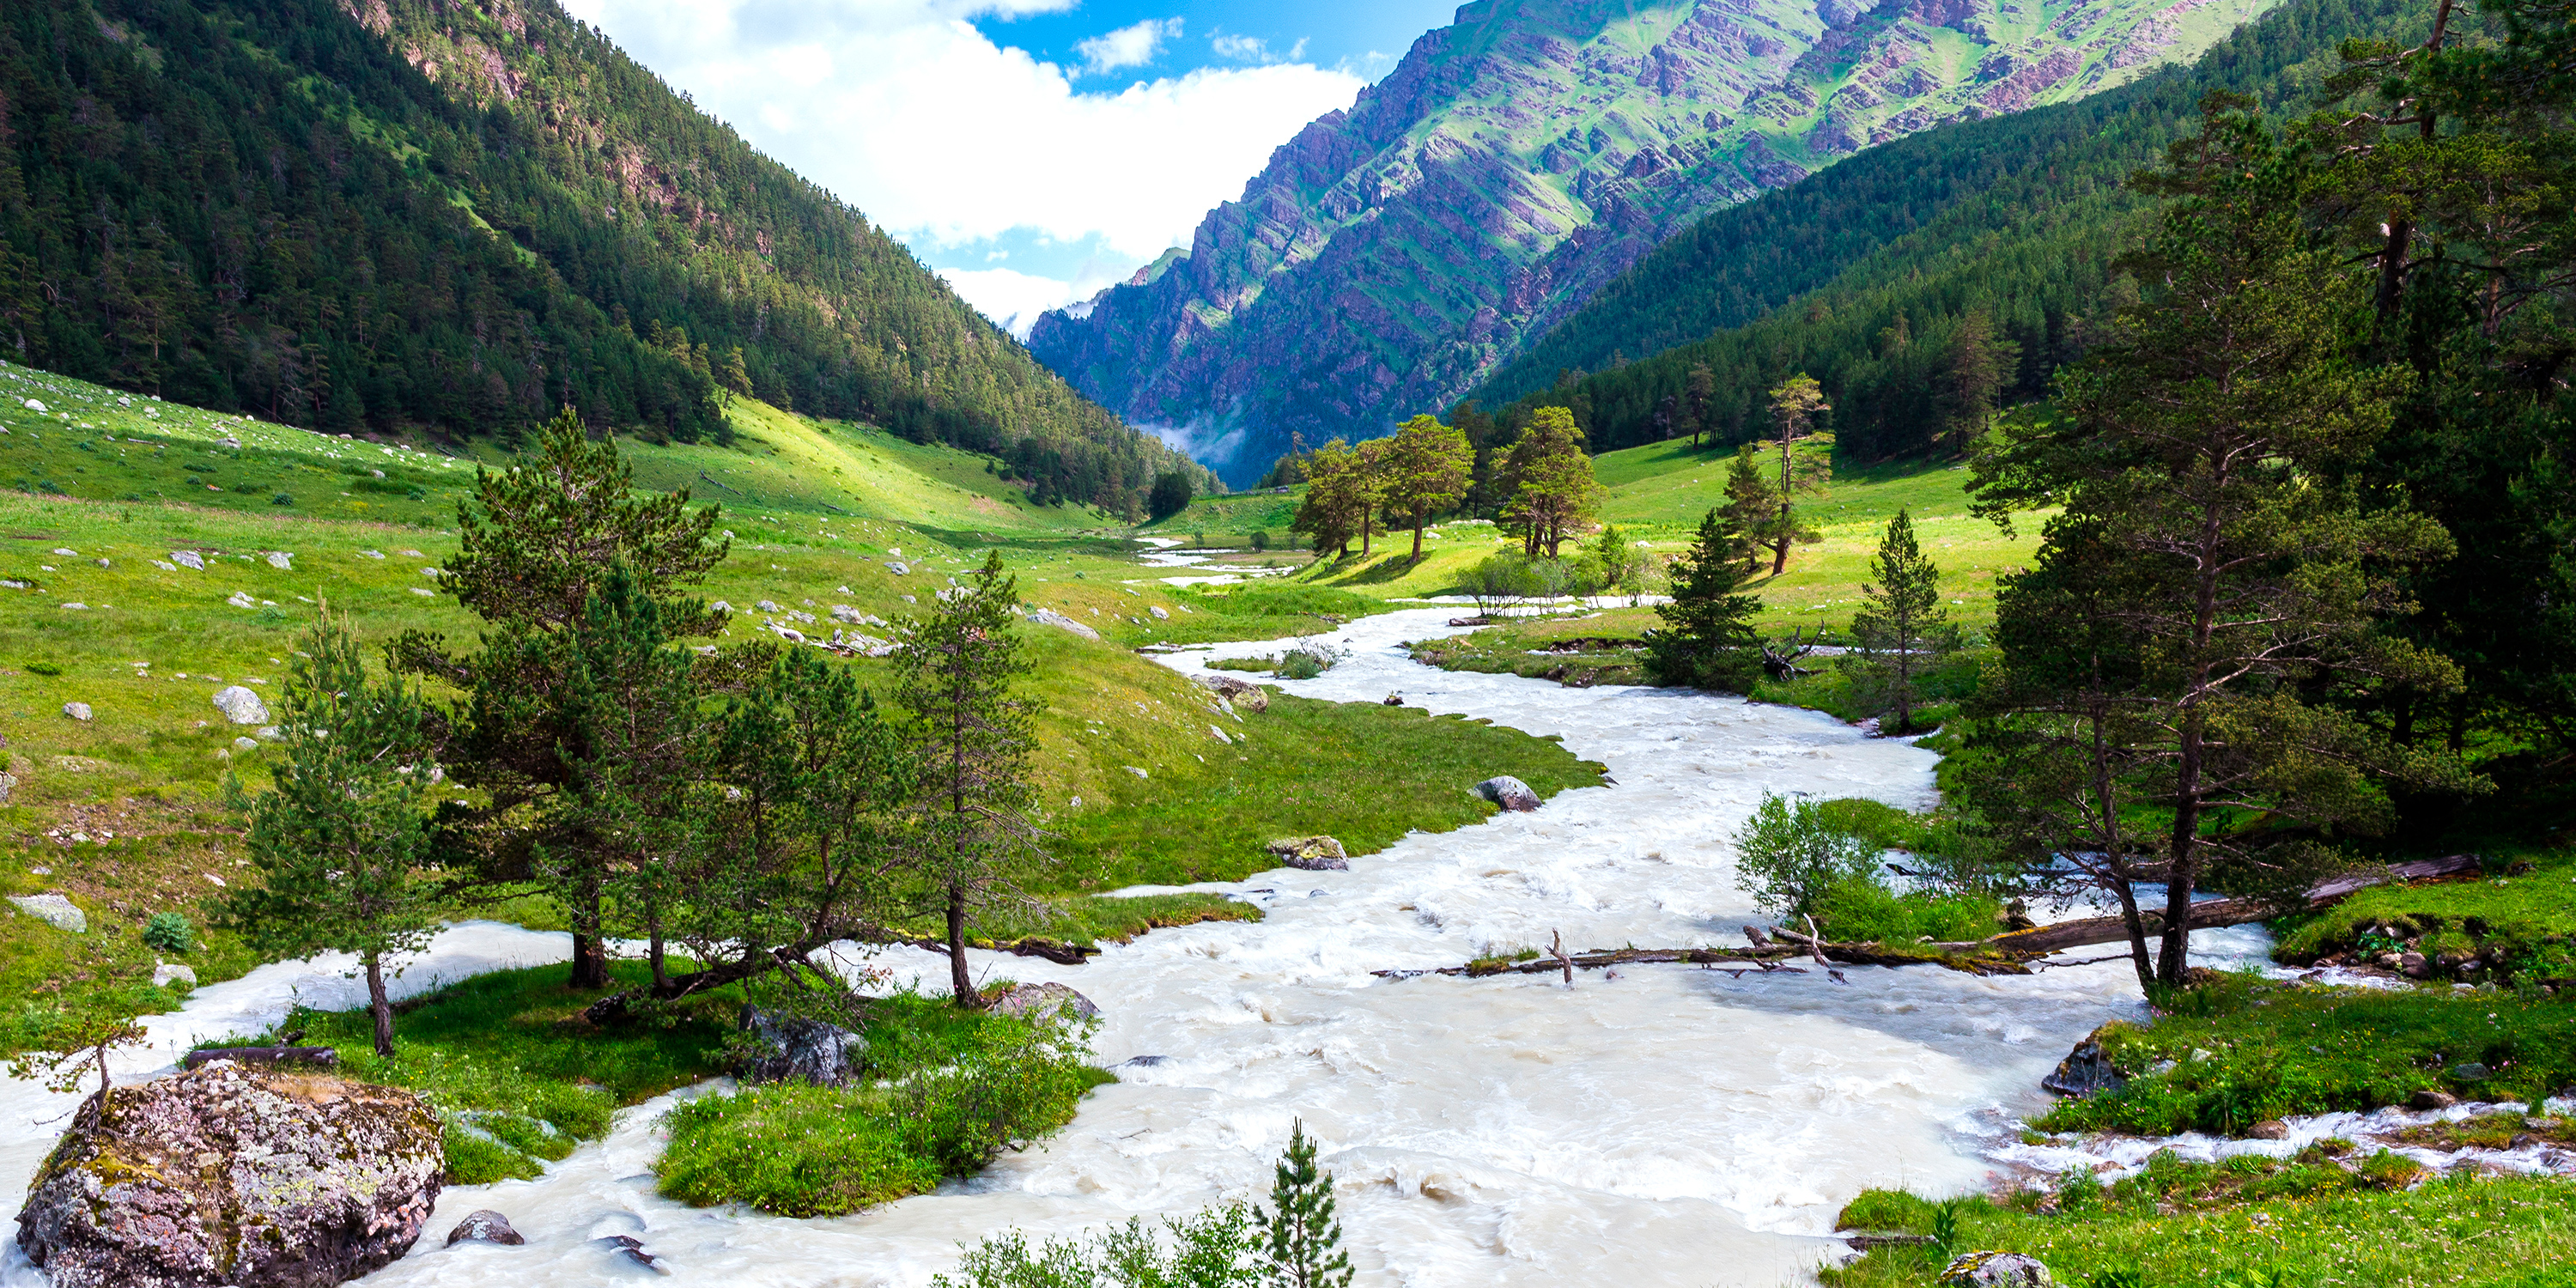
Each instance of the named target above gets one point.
<point>1301,1239</point>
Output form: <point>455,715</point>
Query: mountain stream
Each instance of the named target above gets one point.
<point>1660,1125</point>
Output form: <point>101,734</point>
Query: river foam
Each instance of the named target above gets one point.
<point>1661,1125</point>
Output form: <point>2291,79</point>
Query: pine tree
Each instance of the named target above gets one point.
<point>954,676</point>
<point>1795,404</point>
<point>1553,491</point>
<point>1973,371</point>
<point>1699,400</point>
<point>1751,505</point>
<point>1302,1240</point>
<point>1427,467</point>
<point>1707,639</point>
<point>341,842</point>
<point>1904,609</point>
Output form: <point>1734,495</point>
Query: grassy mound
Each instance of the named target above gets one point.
<point>2517,923</point>
<point>2315,1220</point>
<point>2244,1051</point>
<point>954,1089</point>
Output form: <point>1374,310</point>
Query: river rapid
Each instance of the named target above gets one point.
<point>1658,1125</point>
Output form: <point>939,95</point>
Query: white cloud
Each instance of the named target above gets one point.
<point>1012,299</point>
<point>906,111</point>
<point>1128,46</point>
<point>1252,49</point>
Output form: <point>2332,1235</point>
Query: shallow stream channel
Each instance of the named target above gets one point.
<point>1654,1125</point>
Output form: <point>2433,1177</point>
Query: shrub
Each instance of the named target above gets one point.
<point>282,498</point>
<point>1213,1248</point>
<point>44,669</point>
<point>170,932</point>
<point>1787,856</point>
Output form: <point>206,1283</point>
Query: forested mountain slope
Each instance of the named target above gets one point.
<point>1390,256</point>
<point>408,213</point>
<point>2016,221</point>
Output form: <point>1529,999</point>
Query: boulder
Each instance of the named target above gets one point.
<point>485,1226</point>
<point>2085,1072</point>
<point>1994,1270</point>
<point>55,909</point>
<point>627,1247</point>
<point>166,973</point>
<point>1311,853</point>
<point>2430,1099</point>
<point>241,706</point>
<point>1039,1001</point>
<point>234,1176</point>
<point>1157,611</point>
<point>898,567</point>
<point>78,711</point>
<point>802,1050</point>
<point>2268,1129</point>
<point>1242,693</point>
<point>282,560</point>
<point>188,559</point>
<point>1062,622</point>
<point>1513,795</point>
<point>7,782</point>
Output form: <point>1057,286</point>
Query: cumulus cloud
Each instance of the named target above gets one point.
<point>1128,46</point>
<point>1013,299</point>
<point>1252,49</point>
<point>905,110</point>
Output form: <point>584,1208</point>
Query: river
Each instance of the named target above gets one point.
<point>1652,1126</point>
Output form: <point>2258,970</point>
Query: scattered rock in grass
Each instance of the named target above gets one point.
<point>188,559</point>
<point>281,560</point>
<point>720,606</point>
<point>371,554</point>
<point>2085,1072</point>
<point>802,1050</point>
<point>1513,795</point>
<point>1221,735</point>
<point>1136,770</point>
<point>1041,1001</point>
<point>318,1181</point>
<point>1311,853</point>
<point>898,567</point>
<point>245,744</point>
<point>241,706</point>
<point>77,710</point>
<point>7,782</point>
<point>1243,693</point>
<point>1159,614</point>
<point>2268,1129</point>
<point>1994,1270</point>
<point>484,1226</point>
<point>55,909</point>
<point>767,605</point>
<point>241,599</point>
<point>2431,1099</point>
<point>165,973</point>
<point>1056,619</point>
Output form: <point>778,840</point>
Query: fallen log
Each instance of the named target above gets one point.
<point>2005,954</point>
<point>321,1057</point>
<point>2209,914</point>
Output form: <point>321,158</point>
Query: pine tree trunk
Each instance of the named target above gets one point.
<point>661,960</point>
<point>379,1006</point>
<point>2183,872</point>
<point>960,982</point>
<point>1417,537</point>
<point>589,949</point>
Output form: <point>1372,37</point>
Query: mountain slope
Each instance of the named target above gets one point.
<point>408,213</point>
<point>1390,256</point>
<point>2021,220</point>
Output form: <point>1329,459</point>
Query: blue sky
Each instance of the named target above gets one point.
<point>1032,151</point>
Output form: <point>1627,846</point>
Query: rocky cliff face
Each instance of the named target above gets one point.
<point>1391,255</point>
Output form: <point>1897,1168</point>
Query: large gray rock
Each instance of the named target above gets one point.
<point>1242,693</point>
<point>1040,1001</point>
<point>1059,620</point>
<point>240,705</point>
<point>188,559</point>
<point>1311,853</point>
<point>78,711</point>
<point>54,909</point>
<point>1513,795</point>
<point>2085,1072</point>
<point>226,1175</point>
<point>1994,1270</point>
<point>802,1050</point>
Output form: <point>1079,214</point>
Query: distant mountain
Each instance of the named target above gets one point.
<point>413,213</point>
<point>1392,256</point>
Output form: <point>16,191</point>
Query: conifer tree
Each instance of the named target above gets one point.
<point>1699,401</point>
<point>1707,639</point>
<point>1553,492</point>
<point>1427,467</point>
<point>1973,371</point>
<point>1751,505</point>
<point>1795,404</point>
<point>341,843</point>
<point>1301,1238</point>
<point>1903,609</point>
<point>973,738</point>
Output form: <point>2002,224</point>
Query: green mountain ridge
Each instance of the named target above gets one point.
<point>399,215</point>
<point>1391,257</point>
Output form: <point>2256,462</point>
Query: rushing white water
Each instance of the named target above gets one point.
<point>1656,1125</point>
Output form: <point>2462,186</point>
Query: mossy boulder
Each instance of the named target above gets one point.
<point>226,1175</point>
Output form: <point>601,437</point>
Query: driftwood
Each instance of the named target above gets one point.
<point>2006,954</point>
<point>1780,661</point>
<point>318,1056</point>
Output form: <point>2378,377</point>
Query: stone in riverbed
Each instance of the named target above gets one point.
<point>1994,1270</point>
<point>1311,853</point>
<point>802,1050</point>
<point>316,1180</point>
<point>2430,1099</point>
<point>2085,1072</point>
<point>1038,1001</point>
<point>485,1226</point>
<point>1513,795</point>
<point>2268,1129</point>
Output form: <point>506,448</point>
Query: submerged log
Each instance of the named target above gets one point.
<point>2006,954</point>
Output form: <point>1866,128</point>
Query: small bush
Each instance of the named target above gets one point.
<point>1788,855</point>
<point>44,669</point>
<point>282,498</point>
<point>170,932</point>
